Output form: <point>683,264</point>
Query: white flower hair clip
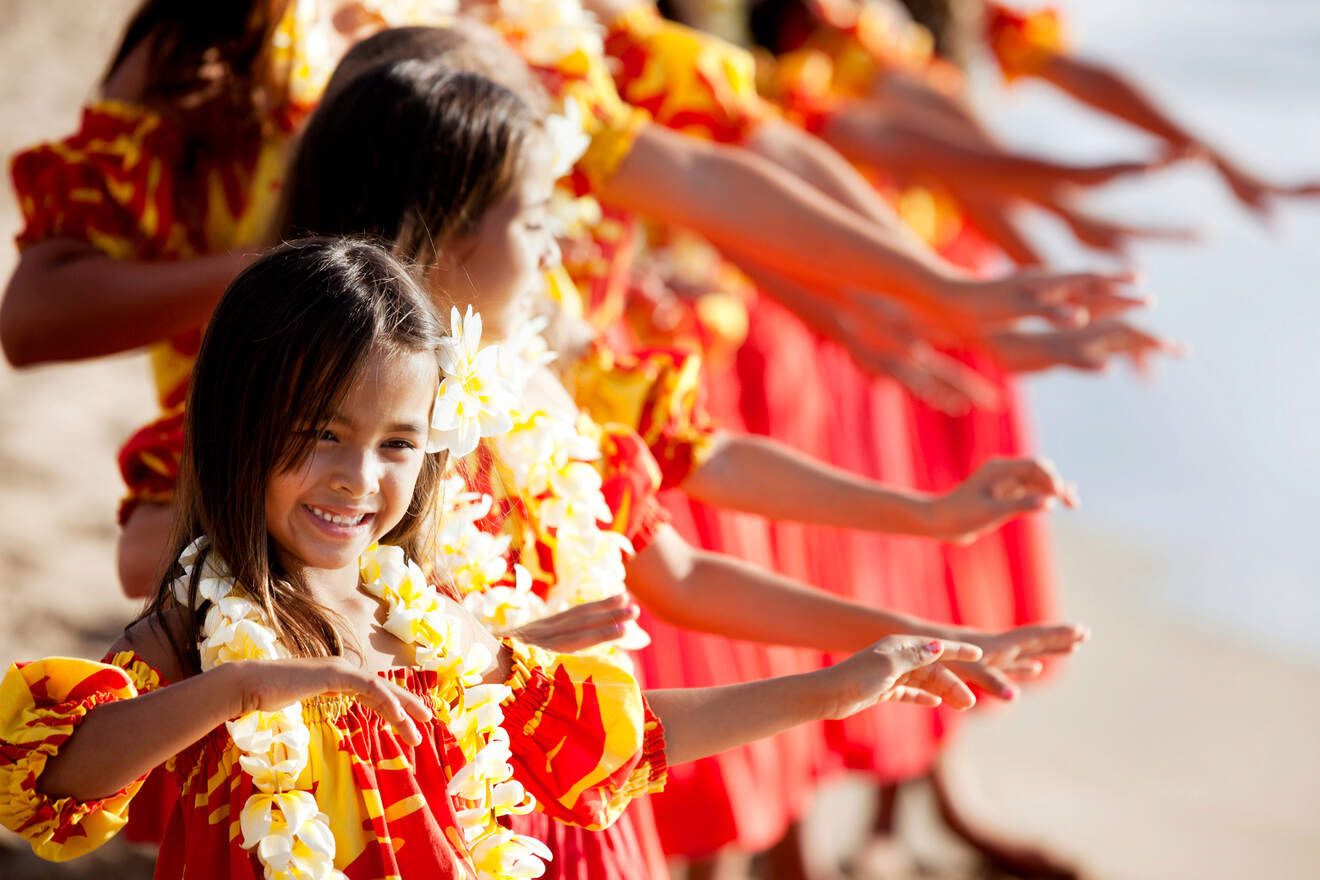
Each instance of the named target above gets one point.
<point>475,399</point>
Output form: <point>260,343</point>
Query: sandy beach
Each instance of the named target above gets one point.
<point>1162,751</point>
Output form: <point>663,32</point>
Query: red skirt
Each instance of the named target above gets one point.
<point>747,796</point>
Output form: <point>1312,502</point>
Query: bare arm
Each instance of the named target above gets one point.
<point>118,742</point>
<point>758,475</point>
<point>66,301</point>
<point>757,212</point>
<point>866,134</point>
<point>702,721</point>
<point>711,592</point>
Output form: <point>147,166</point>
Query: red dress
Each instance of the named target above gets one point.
<point>750,794</point>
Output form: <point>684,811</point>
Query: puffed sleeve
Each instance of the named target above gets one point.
<point>688,81</point>
<point>656,392</point>
<point>111,184</point>
<point>1022,42</point>
<point>585,742</point>
<point>41,705</point>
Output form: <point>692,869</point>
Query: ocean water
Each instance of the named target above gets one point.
<point>1211,471</point>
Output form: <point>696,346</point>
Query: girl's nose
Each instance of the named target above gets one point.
<point>356,474</point>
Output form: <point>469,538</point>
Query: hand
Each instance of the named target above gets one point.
<point>1091,348</point>
<point>1013,656</point>
<point>1114,237</point>
<point>273,684</point>
<point>1063,299</point>
<point>581,627</point>
<point>1256,193</point>
<point>898,669</point>
<point>999,490</point>
<point>883,340</point>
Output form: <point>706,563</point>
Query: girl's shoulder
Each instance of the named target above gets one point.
<point>156,639</point>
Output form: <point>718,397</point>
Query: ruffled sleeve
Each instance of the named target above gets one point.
<point>584,740</point>
<point>111,184</point>
<point>656,392</point>
<point>1023,42</point>
<point>41,704</point>
<point>686,80</point>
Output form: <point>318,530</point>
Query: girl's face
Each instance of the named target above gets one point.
<point>499,269</point>
<point>358,481</point>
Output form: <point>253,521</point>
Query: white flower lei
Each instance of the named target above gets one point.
<point>282,822</point>
<point>550,461</point>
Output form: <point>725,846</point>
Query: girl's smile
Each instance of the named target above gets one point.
<point>357,482</point>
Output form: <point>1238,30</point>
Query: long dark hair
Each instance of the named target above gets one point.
<point>280,352</point>
<point>203,66</point>
<point>418,152</point>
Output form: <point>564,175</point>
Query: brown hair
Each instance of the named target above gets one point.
<point>418,153</point>
<point>203,68</point>
<point>281,350</point>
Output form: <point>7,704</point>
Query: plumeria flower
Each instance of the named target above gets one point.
<point>474,399</point>
<point>434,13</point>
<point>506,607</point>
<point>566,138</point>
<point>507,855</point>
<point>523,352</point>
<point>575,500</point>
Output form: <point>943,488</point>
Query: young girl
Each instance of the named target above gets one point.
<point>325,706</point>
<point>135,223</point>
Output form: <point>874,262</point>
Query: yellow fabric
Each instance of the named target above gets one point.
<point>39,727</point>
<point>688,80</point>
<point>626,719</point>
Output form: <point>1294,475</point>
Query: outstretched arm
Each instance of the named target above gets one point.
<point>757,212</point>
<point>760,476</point>
<point>67,301</point>
<point>702,721</point>
<point>1111,92</point>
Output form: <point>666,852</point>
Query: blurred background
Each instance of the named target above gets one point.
<point>1182,741</point>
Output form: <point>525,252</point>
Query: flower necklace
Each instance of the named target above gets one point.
<point>548,456</point>
<point>282,822</point>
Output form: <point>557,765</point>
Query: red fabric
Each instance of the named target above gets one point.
<point>627,850</point>
<point>746,796</point>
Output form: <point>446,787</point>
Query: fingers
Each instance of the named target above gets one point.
<point>1028,482</point>
<point>940,681</point>
<point>392,703</point>
<point>584,626</point>
<point>989,679</point>
<point>1046,639</point>
<point>567,643</point>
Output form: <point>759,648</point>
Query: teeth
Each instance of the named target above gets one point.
<point>337,520</point>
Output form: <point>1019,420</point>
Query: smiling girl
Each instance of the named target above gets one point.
<point>326,707</point>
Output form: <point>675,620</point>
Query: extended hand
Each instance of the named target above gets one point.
<point>901,669</point>
<point>273,684</point>
<point>998,491</point>
<point>582,627</point>
<point>1014,655</point>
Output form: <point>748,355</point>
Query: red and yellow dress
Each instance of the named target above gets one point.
<point>120,185</point>
<point>746,795</point>
<point>584,743</point>
<point>628,849</point>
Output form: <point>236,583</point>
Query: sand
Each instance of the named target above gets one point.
<point>1162,751</point>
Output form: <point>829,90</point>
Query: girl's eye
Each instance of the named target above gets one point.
<point>326,434</point>
<point>400,444</point>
